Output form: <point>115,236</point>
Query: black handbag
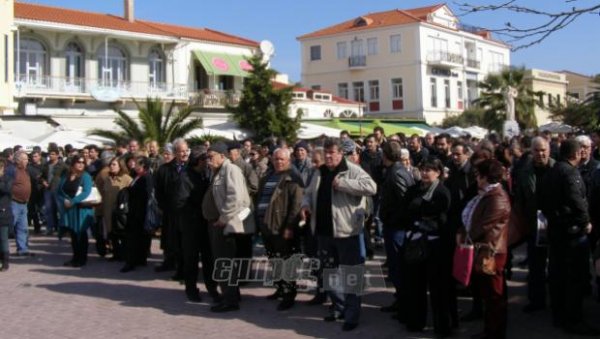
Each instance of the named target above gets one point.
<point>416,250</point>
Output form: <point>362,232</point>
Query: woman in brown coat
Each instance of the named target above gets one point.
<point>486,221</point>
<point>117,179</point>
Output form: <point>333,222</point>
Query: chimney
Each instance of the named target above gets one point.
<point>129,10</point>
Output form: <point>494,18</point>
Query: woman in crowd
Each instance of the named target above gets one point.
<point>428,203</point>
<point>486,222</point>
<point>136,237</point>
<point>6,218</point>
<point>118,179</point>
<point>74,187</point>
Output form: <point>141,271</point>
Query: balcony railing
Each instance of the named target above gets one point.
<point>61,86</point>
<point>357,61</point>
<point>216,98</point>
<point>472,63</point>
<point>441,58</point>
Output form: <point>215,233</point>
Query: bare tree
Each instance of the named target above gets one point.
<point>528,35</point>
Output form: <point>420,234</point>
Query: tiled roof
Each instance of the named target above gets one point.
<point>45,13</point>
<point>336,99</point>
<point>376,20</point>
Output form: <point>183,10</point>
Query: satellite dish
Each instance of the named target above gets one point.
<point>267,49</point>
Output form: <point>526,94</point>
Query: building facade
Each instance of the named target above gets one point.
<point>554,87</point>
<point>580,86</point>
<point>69,64</point>
<point>418,63</point>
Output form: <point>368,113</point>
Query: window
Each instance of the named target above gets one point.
<point>397,90</point>
<point>316,87</point>
<point>395,43</point>
<point>5,58</point>
<point>32,60</point>
<point>558,99</point>
<point>459,88</point>
<point>342,50</point>
<point>156,71</point>
<point>328,114</point>
<point>374,90</point>
<point>359,91</point>
<point>496,62</point>
<point>343,90</point>
<point>74,62</point>
<point>372,46</point>
<point>447,93</point>
<point>550,103</point>
<point>315,53</point>
<point>433,92</point>
<point>113,66</point>
<point>357,48</point>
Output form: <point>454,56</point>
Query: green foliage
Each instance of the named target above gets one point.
<point>470,117</point>
<point>491,99</point>
<point>583,115</point>
<point>199,140</point>
<point>263,109</point>
<point>155,123</point>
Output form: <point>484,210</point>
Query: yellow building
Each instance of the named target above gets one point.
<point>554,86</point>
<point>580,86</point>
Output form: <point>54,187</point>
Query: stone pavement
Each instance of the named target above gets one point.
<point>43,299</point>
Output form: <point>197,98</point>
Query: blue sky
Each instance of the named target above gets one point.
<point>281,21</point>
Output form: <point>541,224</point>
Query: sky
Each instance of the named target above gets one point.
<point>574,48</point>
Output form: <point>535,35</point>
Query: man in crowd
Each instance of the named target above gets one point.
<point>154,156</point>
<point>226,206</point>
<point>566,208</point>
<point>395,219</point>
<point>443,148</point>
<point>337,189</point>
<point>429,142</point>
<point>301,162</point>
<point>379,135</point>
<point>34,206</point>
<point>418,153</point>
<point>277,210</point>
<point>21,192</point>
<point>95,164</point>
<point>133,146</point>
<point>527,201</point>
<point>51,173</point>
<point>588,164</point>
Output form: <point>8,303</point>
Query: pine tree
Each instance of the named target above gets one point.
<point>263,109</point>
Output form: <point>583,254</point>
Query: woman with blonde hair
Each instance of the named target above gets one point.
<point>117,179</point>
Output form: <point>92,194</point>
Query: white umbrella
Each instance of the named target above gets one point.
<point>9,140</point>
<point>556,127</point>
<point>455,131</point>
<point>312,131</point>
<point>477,132</point>
<point>76,138</point>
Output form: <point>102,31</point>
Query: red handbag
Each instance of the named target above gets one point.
<point>463,262</point>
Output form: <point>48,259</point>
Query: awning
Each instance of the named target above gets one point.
<point>222,63</point>
<point>312,131</point>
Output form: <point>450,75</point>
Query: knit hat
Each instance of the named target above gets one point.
<point>348,146</point>
<point>219,147</point>
<point>301,144</point>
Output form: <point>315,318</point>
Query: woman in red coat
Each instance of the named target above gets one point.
<point>486,222</point>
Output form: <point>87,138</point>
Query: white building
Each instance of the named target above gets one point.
<point>74,67</point>
<point>417,63</point>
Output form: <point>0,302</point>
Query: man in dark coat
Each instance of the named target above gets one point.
<point>566,208</point>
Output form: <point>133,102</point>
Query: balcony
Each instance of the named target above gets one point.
<point>86,89</point>
<point>216,99</point>
<point>472,63</point>
<point>445,59</point>
<point>357,61</point>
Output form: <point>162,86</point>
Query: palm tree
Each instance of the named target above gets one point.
<point>154,123</point>
<point>492,99</point>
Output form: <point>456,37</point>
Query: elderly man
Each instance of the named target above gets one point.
<point>301,161</point>
<point>527,201</point>
<point>227,208</point>
<point>566,208</point>
<point>337,189</point>
<point>21,192</point>
<point>587,164</point>
<point>277,213</point>
<point>153,154</point>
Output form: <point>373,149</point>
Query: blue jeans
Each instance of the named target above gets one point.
<point>336,252</point>
<point>50,211</point>
<point>394,240</point>
<point>20,224</point>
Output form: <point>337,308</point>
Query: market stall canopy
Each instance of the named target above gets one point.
<point>474,131</point>
<point>556,127</point>
<point>312,131</point>
<point>77,138</point>
<point>223,63</point>
<point>227,130</point>
<point>364,127</point>
<point>9,140</point>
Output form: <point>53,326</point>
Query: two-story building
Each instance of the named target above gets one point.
<point>554,87</point>
<point>67,64</point>
<point>580,86</point>
<point>416,63</point>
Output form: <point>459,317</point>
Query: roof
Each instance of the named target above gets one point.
<point>377,20</point>
<point>45,13</point>
<point>280,85</point>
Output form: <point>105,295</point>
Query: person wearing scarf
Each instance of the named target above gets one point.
<point>428,204</point>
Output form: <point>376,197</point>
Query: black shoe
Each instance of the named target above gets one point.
<point>349,327</point>
<point>530,308</point>
<point>194,297</point>
<point>276,295</point>
<point>471,316</point>
<point>582,329</point>
<point>396,316</point>
<point>222,308</point>
<point>216,297</point>
<point>164,268</point>
<point>318,299</point>
<point>177,277</point>
<point>391,308</point>
<point>285,304</point>
<point>114,258</point>
<point>332,318</point>
<point>68,263</point>
<point>127,268</point>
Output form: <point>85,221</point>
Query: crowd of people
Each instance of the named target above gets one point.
<point>337,200</point>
